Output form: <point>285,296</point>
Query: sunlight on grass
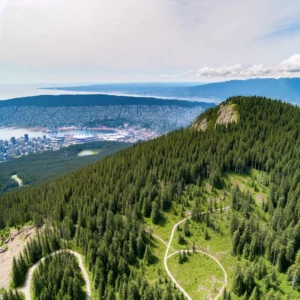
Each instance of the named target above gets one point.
<point>200,276</point>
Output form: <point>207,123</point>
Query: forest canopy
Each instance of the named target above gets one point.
<point>102,206</point>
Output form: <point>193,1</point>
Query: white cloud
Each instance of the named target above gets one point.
<point>2,5</point>
<point>289,68</point>
<point>290,65</point>
<point>138,40</point>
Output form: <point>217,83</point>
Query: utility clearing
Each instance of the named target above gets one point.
<point>87,153</point>
<point>18,180</point>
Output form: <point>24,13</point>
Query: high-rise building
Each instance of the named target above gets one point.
<point>26,138</point>
<point>13,140</point>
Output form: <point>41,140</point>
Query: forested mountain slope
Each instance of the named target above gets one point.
<point>36,168</point>
<point>104,206</point>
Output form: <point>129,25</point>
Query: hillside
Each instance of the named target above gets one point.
<point>36,168</point>
<point>224,194</point>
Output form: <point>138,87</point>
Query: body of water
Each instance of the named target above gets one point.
<point>10,91</point>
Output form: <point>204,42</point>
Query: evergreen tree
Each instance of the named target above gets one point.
<point>255,294</point>
<point>155,214</point>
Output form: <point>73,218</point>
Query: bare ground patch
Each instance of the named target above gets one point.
<point>260,197</point>
<point>227,115</point>
<point>202,126</point>
<point>15,247</point>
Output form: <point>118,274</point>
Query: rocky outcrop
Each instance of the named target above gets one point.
<point>202,126</point>
<point>227,114</point>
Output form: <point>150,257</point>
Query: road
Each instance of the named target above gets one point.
<point>26,288</point>
<point>199,251</point>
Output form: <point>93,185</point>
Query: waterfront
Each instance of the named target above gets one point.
<point>17,142</point>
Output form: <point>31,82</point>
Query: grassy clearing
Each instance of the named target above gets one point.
<point>18,180</point>
<point>216,244</point>
<point>4,234</point>
<point>155,272</point>
<point>201,277</point>
<point>164,228</point>
<point>88,152</point>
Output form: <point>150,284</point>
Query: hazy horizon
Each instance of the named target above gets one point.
<point>54,41</point>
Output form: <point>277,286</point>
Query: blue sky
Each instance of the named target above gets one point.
<point>288,30</point>
<point>69,41</point>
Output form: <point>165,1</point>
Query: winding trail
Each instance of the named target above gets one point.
<point>216,260</point>
<point>26,288</point>
<point>166,261</point>
<point>160,239</point>
<point>199,251</point>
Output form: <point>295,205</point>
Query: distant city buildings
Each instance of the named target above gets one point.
<point>23,146</point>
<point>14,148</point>
<point>13,140</point>
<point>126,123</point>
<point>157,118</point>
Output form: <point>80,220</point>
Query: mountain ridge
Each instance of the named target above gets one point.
<point>282,88</point>
<point>94,100</point>
<point>110,208</point>
<point>287,89</point>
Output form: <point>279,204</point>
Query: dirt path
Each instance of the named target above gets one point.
<point>166,261</point>
<point>26,288</point>
<point>216,260</point>
<point>199,251</point>
<point>15,244</point>
<point>160,239</point>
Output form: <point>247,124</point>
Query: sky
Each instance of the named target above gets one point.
<point>75,41</point>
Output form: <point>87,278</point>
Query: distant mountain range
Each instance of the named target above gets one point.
<point>95,100</point>
<point>286,89</point>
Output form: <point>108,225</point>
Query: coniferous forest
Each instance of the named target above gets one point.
<point>101,209</point>
<point>36,168</point>
<point>63,282</point>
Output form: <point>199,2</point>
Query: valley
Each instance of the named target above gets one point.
<point>207,212</point>
<point>149,150</point>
